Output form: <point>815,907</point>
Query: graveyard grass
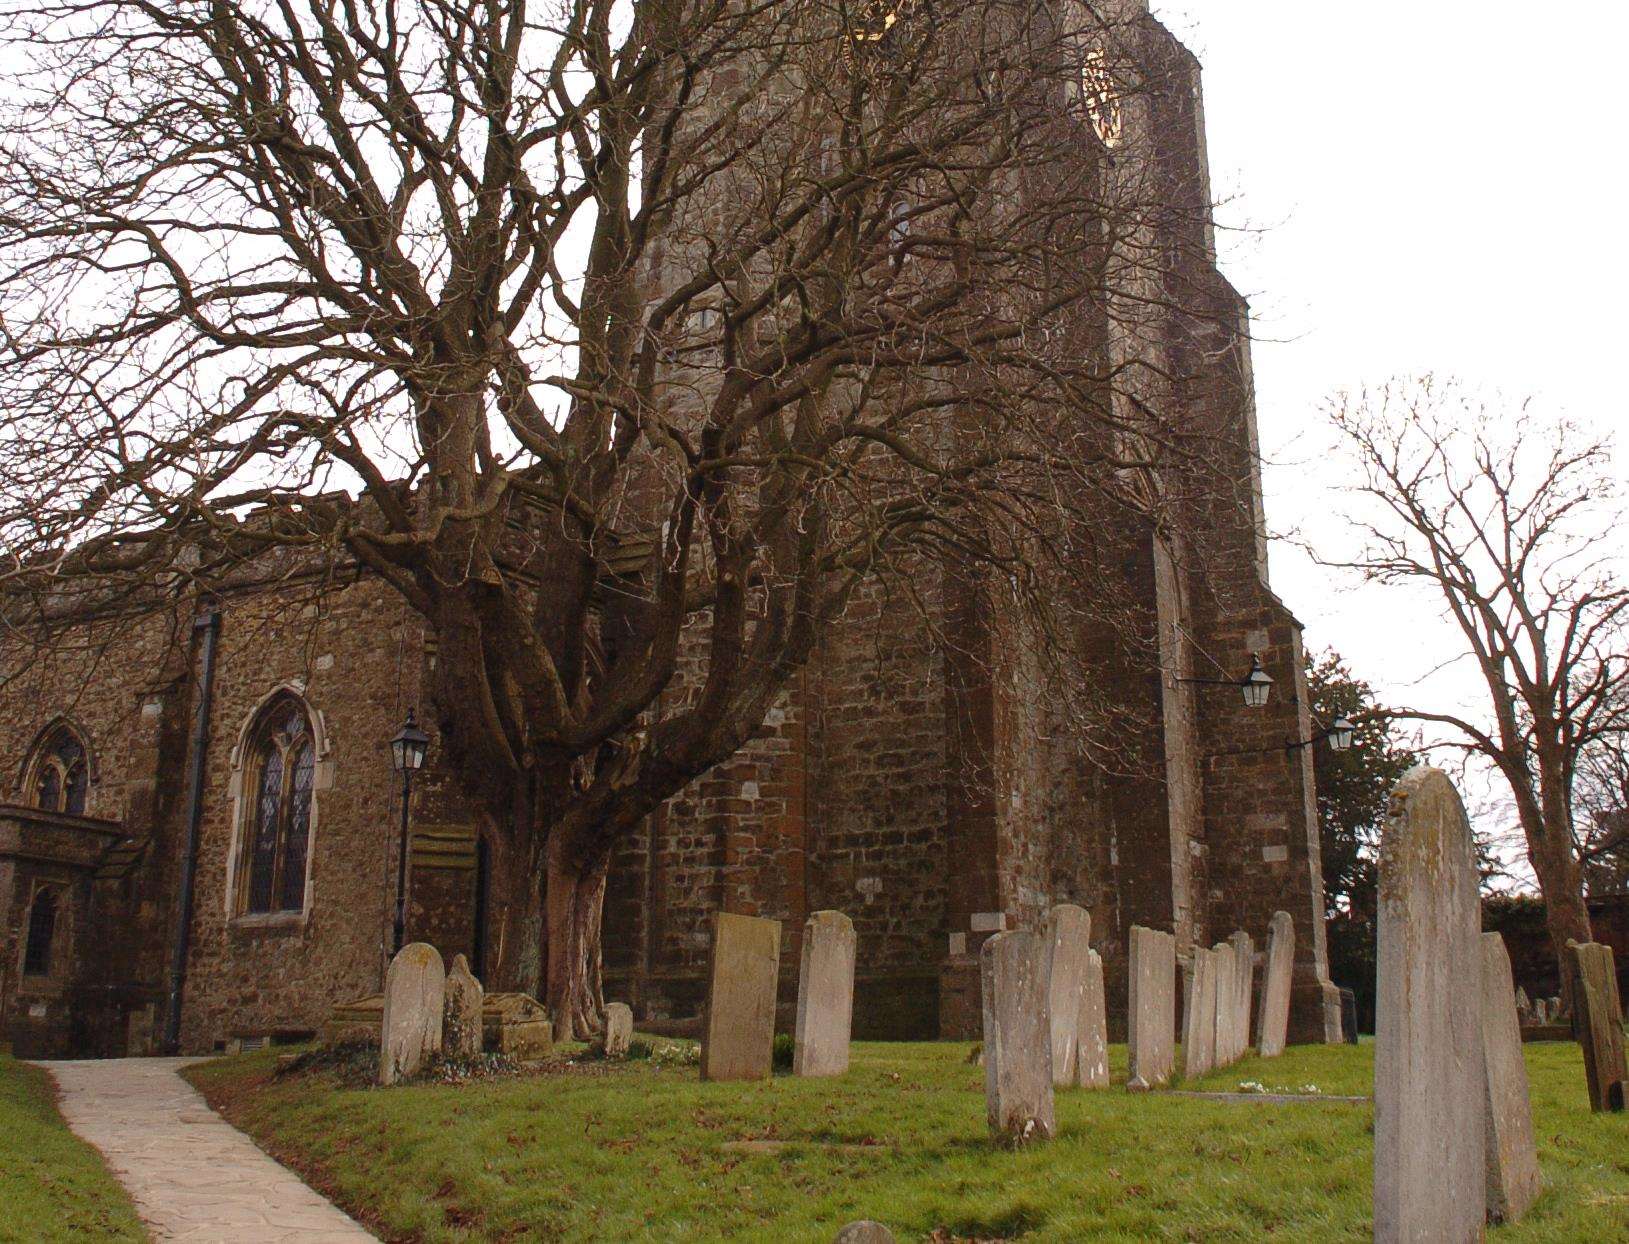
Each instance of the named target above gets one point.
<point>639,1152</point>
<point>53,1186</point>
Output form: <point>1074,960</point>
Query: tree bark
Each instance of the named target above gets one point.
<point>574,906</point>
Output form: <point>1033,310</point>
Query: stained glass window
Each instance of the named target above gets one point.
<point>62,775</point>
<point>279,823</point>
<point>42,927</point>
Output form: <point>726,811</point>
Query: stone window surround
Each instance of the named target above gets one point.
<point>56,978</point>
<point>27,780</point>
<point>243,768</point>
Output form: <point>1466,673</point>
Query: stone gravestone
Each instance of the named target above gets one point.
<point>1223,954</point>
<point>1430,1178</point>
<point>1017,1038</point>
<point>1068,944</point>
<point>618,1029</point>
<point>738,1037</point>
<point>1151,1008</point>
<point>1199,1016</point>
<point>1244,985</point>
<point>1273,1021</point>
<point>1512,1160</point>
<point>1601,1031</point>
<point>1524,1008</point>
<point>410,1027</point>
<point>461,1011</point>
<point>1092,1064</point>
<point>867,1232</point>
<point>1349,1026</point>
<point>825,996</point>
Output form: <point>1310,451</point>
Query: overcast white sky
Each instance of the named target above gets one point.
<point>1420,185</point>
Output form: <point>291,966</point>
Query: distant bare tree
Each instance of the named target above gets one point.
<point>623,338</point>
<point>1514,521</point>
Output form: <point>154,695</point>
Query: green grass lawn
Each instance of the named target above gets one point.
<point>53,1186</point>
<point>638,1152</point>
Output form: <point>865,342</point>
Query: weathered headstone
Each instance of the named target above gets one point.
<point>1512,1160</point>
<point>1222,1015</point>
<point>825,996</point>
<point>461,1011</point>
<point>410,1029</point>
<point>1273,1021</point>
<point>1092,1064</point>
<point>1244,986</point>
<point>1349,1024</point>
<point>1601,1032</point>
<point>1151,1008</point>
<point>1524,1008</point>
<point>738,1037</point>
<point>618,1029</point>
<point>1199,1016</point>
<point>1430,1178</point>
<point>1068,944</point>
<point>1017,1038</point>
<point>866,1232</point>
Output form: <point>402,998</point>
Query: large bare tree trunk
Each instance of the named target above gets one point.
<point>574,903</point>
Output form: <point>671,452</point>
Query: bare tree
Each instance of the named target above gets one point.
<point>623,338</point>
<point>1511,519</point>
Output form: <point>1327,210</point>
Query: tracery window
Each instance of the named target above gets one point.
<point>42,928</point>
<point>61,773</point>
<point>1101,95</point>
<point>277,821</point>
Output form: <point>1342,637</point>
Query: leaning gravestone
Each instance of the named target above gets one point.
<point>1512,1160</point>
<point>618,1029</point>
<point>1017,1038</point>
<point>1430,1181</point>
<point>1151,1008</point>
<point>461,1011</point>
<point>1068,944</point>
<point>410,1028</point>
<point>1244,985</point>
<point>738,1037</point>
<point>1273,1022</point>
<point>825,996</point>
<point>1226,994</point>
<point>1601,1031</point>
<point>1199,1018</point>
<point>1092,1064</point>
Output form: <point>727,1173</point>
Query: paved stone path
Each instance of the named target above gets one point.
<point>192,1175</point>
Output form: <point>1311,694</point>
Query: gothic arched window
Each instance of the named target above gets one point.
<point>42,928</point>
<point>61,773</point>
<point>277,819</point>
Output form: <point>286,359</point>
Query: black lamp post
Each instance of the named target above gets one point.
<point>407,751</point>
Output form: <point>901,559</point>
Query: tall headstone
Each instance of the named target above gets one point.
<point>1430,1178</point>
<point>1226,994</point>
<point>410,1029</point>
<point>1512,1159</point>
<point>1273,1020</point>
<point>1068,944</point>
<point>618,1029</point>
<point>1601,1029</point>
<point>738,1038</point>
<point>1524,1007</point>
<point>1017,1038</point>
<point>1151,1008</point>
<point>1199,1018</point>
<point>461,1011</point>
<point>1244,988</point>
<point>825,996</point>
<point>1092,1064</point>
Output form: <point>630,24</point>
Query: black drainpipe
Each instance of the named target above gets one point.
<point>209,623</point>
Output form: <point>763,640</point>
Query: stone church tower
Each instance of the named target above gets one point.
<point>198,820</point>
